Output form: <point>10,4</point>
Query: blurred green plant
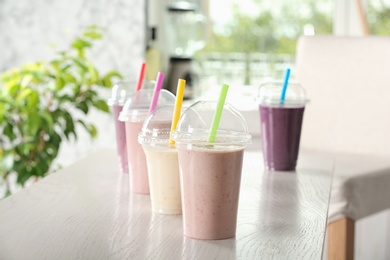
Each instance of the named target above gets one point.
<point>38,106</point>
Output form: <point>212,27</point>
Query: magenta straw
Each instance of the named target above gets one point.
<point>156,92</point>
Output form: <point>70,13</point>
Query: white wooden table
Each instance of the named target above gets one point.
<point>86,211</point>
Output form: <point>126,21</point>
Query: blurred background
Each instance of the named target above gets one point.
<point>207,42</point>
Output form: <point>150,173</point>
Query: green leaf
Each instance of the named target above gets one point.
<point>55,139</point>
<point>60,82</point>
<point>33,123</point>
<point>101,105</point>
<point>93,131</point>
<point>83,107</point>
<point>29,97</point>
<point>27,148</point>
<point>69,129</point>
<point>51,150</point>
<point>65,98</point>
<point>76,90</point>
<point>80,63</point>
<point>93,35</point>
<point>47,119</point>
<point>23,171</point>
<point>11,89</point>
<point>93,72</point>
<point>107,79</point>
<point>81,44</point>
<point>9,131</point>
<point>26,80</point>
<point>43,164</point>
<point>2,110</point>
<point>67,77</point>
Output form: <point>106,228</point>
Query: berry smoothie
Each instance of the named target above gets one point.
<point>120,139</point>
<point>210,183</point>
<point>281,132</point>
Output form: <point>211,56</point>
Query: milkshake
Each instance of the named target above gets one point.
<point>120,92</point>
<point>164,180</point>
<point>134,113</point>
<point>120,135</point>
<point>281,123</point>
<point>139,182</point>
<point>210,181</point>
<point>162,162</point>
<point>210,172</point>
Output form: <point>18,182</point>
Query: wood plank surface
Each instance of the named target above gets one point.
<point>86,211</point>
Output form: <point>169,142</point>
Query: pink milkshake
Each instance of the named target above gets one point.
<point>134,113</point>
<point>119,93</point>
<point>210,181</point>
<point>120,140</point>
<point>210,172</point>
<point>139,181</point>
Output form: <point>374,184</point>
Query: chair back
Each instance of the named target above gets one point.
<point>348,83</point>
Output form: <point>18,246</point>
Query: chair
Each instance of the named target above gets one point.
<point>348,82</point>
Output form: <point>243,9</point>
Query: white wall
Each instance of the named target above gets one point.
<point>28,27</point>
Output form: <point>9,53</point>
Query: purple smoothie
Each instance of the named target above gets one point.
<point>120,139</point>
<point>281,132</point>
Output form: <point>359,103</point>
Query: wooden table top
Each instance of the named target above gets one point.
<point>86,211</point>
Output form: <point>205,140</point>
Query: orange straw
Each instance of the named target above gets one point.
<point>141,77</point>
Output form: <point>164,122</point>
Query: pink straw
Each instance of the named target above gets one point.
<point>141,77</point>
<point>156,92</point>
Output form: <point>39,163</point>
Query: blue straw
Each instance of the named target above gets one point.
<point>285,83</point>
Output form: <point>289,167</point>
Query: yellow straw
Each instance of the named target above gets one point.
<point>178,104</point>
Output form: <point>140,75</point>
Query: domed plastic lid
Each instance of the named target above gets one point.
<point>270,93</point>
<point>196,121</point>
<point>136,107</point>
<point>122,90</point>
<point>157,127</point>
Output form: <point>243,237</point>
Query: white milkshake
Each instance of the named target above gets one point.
<point>164,180</point>
<point>162,162</point>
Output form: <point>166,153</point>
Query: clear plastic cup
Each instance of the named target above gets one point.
<point>134,113</point>
<point>281,123</point>
<point>210,173</point>
<point>162,162</point>
<point>119,93</point>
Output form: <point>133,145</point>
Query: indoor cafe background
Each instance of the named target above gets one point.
<point>29,27</point>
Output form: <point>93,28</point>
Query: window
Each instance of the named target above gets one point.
<point>250,40</point>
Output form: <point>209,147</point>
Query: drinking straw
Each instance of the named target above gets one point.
<point>178,104</point>
<point>156,92</point>
<point>218,113</point>
<point>141,77</point>
<point>285,83</point>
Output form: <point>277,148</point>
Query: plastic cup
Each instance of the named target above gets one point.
<point>162,162</point>
<point>281,124</point>
<point>134,113</point>
<point>210,173</point>
<point>119,93</point>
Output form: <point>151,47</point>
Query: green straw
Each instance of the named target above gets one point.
<point>217,114</point>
